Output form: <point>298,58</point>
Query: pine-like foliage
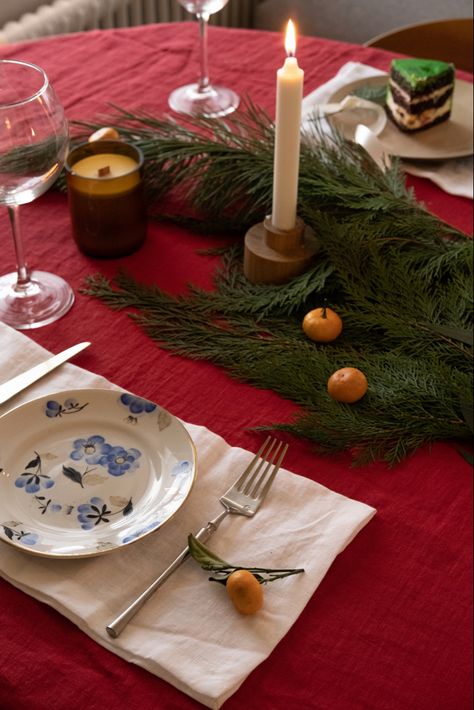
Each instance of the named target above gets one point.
<point>399,277</point>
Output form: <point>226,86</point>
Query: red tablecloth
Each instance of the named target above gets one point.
<point>390,626</point>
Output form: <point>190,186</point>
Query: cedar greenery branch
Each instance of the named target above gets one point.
<point>400,278</point>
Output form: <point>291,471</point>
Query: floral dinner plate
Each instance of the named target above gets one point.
<point>88,471</point>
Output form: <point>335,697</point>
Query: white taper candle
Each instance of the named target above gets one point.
<point>289,96</point>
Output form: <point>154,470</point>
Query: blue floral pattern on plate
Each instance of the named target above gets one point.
<point>56,409</point>
<point>119,460</point>
<point>137,405</point>
<point>24,538</point>
<point>142,531</point>
<point>33,479</point>
<point>89,449</point>
<point>89,483</point>
<point>96,511</point>
<point>96,450</point>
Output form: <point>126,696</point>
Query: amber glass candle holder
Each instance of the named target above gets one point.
<point>106,198</point>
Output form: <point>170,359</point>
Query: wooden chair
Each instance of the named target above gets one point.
<point>447,40</point>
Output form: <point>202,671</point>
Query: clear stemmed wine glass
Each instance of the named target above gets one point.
<point>33,146</point>
<point>203,98</point>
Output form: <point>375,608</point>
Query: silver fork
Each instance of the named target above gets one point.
<point>244,497</point>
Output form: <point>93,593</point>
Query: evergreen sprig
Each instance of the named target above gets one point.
<point>220,172</point>
<point>222,570</point>
<point>400,278</point>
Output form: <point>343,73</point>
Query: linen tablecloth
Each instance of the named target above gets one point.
<point>403,637</point>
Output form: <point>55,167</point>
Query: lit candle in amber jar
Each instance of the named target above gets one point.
<point>106,165</point>
<point>106,198</point>
<point>287,137</point>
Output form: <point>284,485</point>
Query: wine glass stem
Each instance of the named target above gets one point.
<point>203,83</point>
<point>23,277</point>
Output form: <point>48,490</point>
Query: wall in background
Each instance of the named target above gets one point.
<point>28,19</point>
<point>348,20</point>
<point>354,20</point>
<point>130,12</point>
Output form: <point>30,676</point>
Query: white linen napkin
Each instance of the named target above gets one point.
<point>189,633</point>
<point>454,176</point>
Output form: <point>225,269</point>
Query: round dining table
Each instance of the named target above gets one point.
<point>390,626</point>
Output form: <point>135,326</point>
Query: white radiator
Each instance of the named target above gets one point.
<point>63,16</point>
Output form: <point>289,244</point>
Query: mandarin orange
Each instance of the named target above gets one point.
<point>322,325</point>
<point>347,385</point>
<point>245,591</point>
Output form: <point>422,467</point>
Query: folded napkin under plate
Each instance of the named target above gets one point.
<point>188,633</point>
<point>454,176</point>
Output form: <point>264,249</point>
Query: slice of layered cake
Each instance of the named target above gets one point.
<point>420,93</point>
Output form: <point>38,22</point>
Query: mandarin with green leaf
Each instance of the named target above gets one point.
<point>322,325</point>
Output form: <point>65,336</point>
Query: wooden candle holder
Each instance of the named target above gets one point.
<point>273,256</point>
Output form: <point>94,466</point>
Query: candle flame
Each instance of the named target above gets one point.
<point>290,39</point>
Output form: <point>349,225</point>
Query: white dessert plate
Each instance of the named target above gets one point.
<point>451,139</point>
<point>84,472</point>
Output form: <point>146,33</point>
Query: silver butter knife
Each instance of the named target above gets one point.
<point>25,379</point>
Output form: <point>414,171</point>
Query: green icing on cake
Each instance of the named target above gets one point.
<point>417,72</point>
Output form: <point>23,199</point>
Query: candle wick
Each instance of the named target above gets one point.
<point>102,172</point>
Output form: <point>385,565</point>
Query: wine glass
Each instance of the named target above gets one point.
<point>202,98</point>
<point>33,145</point>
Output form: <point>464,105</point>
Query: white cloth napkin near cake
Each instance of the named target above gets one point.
<point>189,634</point>
<point>454,176</point>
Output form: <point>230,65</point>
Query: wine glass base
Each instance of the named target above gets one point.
<point>212,102</point>
<point>45,299</point>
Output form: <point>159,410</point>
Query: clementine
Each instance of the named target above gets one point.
<point>347,385</point>
<point>322,325</point>
<point>104,134</point>
<point>245,591</point>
